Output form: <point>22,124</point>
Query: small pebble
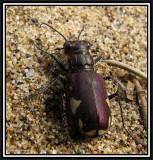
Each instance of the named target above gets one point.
<point>94,152</point>
<point>34,20</point>
<point>30,72</point>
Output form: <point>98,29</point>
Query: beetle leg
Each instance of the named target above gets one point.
<point>121,111</point>
<point>40,90</point>
<point>58,49</point>
<point>62,78</point>
<point>97,59</point>
<point>113,95</point>
<point>107,77</point>
<point>116,81</point>
<point>136,140</point>
<point>121,85</point>
<point>60,64</point>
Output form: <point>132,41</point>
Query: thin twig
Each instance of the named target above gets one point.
<point>126,67</point>
<point>143,106</point>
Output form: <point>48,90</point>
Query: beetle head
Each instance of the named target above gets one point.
<point>76,47</point>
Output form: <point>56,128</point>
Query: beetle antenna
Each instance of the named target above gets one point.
<point>54,30</point>
<point>80,33</point>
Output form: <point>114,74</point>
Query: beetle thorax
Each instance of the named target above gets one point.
<point>81,62</point>
<point>79,56</point>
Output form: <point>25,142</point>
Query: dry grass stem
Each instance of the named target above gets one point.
<point>143,106</point>
<point>126,67</point>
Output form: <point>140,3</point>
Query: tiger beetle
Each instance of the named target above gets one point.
<point>86,101</point>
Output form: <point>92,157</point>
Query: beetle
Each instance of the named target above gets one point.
<point>86,93</point>
<point>87,102</point>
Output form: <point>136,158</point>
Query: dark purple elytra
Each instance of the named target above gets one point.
<point>87,99</point>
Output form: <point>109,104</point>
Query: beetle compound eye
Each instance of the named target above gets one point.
<point>87,43</point>
<point>67,45</point>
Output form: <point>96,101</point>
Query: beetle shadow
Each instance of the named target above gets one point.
<point>53,105</point>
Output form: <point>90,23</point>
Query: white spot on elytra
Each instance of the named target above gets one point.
<point>91,133</point>
<point>70,88</point>
<point>74,104</point>
<point>80,123</point>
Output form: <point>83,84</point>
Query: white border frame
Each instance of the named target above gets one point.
<point>74,4</point>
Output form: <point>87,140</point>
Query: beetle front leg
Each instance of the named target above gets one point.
<point>40,90</point>
<point>97,59</point>
<point>60,64</point>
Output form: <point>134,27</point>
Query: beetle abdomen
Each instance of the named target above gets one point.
<point>88,103</point>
